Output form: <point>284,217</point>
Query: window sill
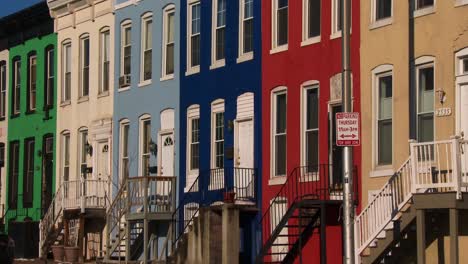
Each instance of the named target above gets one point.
<point>335,35</point>
<point>83,99</point>
<point>311,41</point>
<point>103,94</point>
<point>461,3</point>
<point>381,23</point>
<point>218,64</point>
<point>123,89</point>
<point>144,83</point>
<point>192,70</point>
<point>65,103</point>
<point>424,11</point>
<point>245,57</point>
<point>277,180</point>
<point>383,171</point>
<point>279,49</point>
<point>166,77</point>
<point>15,115</point>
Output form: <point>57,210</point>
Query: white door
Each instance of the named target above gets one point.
<point>97,188</point>
<point>167,165</point>
<point>463,119</point>
<point>244,159</point>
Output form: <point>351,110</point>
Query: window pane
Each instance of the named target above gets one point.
<point>385,142</point>
<point>127,36</point>
<point>170,27</point>
<point>465,65</point>
<point>424,3</point>
<point>280,113</point>
<point>221,13</point>
<point>194,145</point>
<point>385,97</point>
<point>426,127</point>
<point>312,148</point>
<point>148,57</point>
<point>248,9</point>
<point>280,154</point>
<point>383,9</point>
<point>170,59</point>
<point>195,51</point>
<point>312,109</point>
<point>248,35</point>
<point>125,129</point>
<point>219,120</point>
<point>32,83</point>
<point>426,90</point>
<point>2,89</point>
<point>282,23</point>
<point>339,18</point>
<point>195,19</point>
<point>148,34</point>
<point>314,18</point>
<point>220,43</point>
<point>127,59</point>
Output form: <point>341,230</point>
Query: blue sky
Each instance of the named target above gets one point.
<point>8,7</point>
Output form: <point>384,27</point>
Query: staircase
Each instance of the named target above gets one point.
<point>297,209</point>
<point>388,220</point>
<point>51,225</point>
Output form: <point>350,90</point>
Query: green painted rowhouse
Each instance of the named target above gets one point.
<point>32,109</point>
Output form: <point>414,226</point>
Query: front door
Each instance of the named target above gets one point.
<point>167,155</point>
<point>335,152</point>
<point>463,117</point>
<point>244,158</point>
<point>47,171</point>
<point>102,172</point>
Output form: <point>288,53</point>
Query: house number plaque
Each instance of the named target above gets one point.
<point>441,112</point>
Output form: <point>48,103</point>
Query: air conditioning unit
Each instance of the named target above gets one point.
<point>124,81</point>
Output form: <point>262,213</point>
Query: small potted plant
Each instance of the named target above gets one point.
<point>72,252</point>
<point>57,251</point>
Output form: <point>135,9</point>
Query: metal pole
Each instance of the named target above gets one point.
<point>348,206</point>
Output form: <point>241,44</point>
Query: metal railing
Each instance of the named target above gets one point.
<point>49,220</point>
<point>210,187</point>
<point>314,182</point>
<point>433,167</point>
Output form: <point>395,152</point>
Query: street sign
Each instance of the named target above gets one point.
<point>347,129</point>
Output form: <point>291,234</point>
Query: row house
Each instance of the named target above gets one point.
<point>220,51</point>
<point>414,73</point>
<point>85,40</point>
<point>4,77</point>
<point>301,94</point>
<point>29,178</point>
<point>146,127</point>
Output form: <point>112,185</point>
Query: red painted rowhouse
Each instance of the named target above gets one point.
<point>301,92</point>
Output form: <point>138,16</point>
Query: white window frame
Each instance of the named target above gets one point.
<point>376,23</point>
<point>217,107</point>
<point>144,34</point>
<point>335,33</point>
<point>193,112</point>
<point>141,152</point>
<point>461,78</point>
<point>422,63</point>
<point>192,69</point>
<point>65,159</point>
<point>215,63</point>
<point>32,89</point>
<point>127,24</point>
<point>83,139</point>
<point>461,3</point>
<point>306,40</point>
<point>245,56</point>
<point>310,85</point>
<point>16,87</point>
<point>422,11</point>
<point>66,71</point>
<point>276,179</point>
<point>169,10</point>
<point>377,73</point>
<point>274,29</point>
<point>104,58</point>
<point>122,158</point>
<point>3,89</point>
<point>83,38</point>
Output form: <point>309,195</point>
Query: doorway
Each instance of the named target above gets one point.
<point>47,171</point>
<point>167,154</point>
<point>335,152</point>
<point>244,157</point>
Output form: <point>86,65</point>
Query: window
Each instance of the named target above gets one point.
<point>145,140</point>
<point>311,19</point>
<point>464,65</point>
<point>384,89</point>
<point>104,66</point>
<point>14,174</point>
<point>16,86</point>
<point>193,124</point>
<point>126,52</point>
<point>3,88</point>
<point>219,31</point>
<point>194,26</point>
<point>217,135</point>
<point>66,156</point>
<point>124,158</point>
<point>280,23</point>
<point>67,65</point>
<point>32,80</point>
<point>168,47</point>
<point>147,47</point>
<point>382,9</point>
<point>311,127</point>
<point>84,62</point>
<point>420,4</point>
<point>337,16</point>
<point>246,29</point>
<point>82,151</point>
<point>49,75</point>
<point>279,132</point>
<point>28,183</point>
<point>425,112</point>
